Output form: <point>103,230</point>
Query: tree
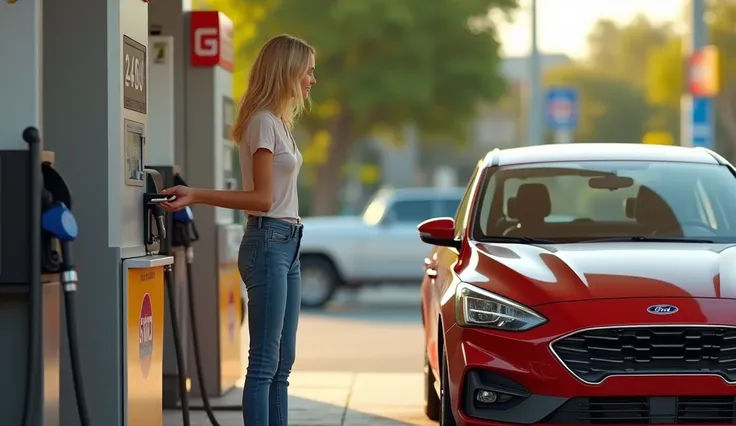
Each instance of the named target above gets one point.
<point>611,80</point>
<point>618,49</point>
<point>384,63</point>
<point>666,69</point>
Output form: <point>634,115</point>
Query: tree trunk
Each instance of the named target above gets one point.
<point>727,113</point>
<point>326,192</point>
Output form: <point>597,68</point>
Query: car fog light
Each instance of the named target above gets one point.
<point>486,397</point>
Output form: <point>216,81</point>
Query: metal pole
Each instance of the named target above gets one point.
<point>535,98</point>
<point>698,29</point>
<point>696,41</point>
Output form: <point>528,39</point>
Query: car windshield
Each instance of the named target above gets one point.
<point>599,200</point>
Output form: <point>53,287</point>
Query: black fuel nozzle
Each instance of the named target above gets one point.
<point>152,200</point>
<point>152,208</point>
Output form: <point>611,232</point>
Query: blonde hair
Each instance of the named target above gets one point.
<point>274,82</point>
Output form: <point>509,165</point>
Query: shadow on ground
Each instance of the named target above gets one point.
<point>326,408</point>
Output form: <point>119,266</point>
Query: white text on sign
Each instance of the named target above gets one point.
<point>206,42</point>
<point>134,73</point>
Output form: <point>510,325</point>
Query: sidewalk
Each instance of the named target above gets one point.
<point>337,399</point>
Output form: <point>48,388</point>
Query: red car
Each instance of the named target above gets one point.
<point>585,284</point>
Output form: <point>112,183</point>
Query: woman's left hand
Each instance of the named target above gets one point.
<point>184,197</point>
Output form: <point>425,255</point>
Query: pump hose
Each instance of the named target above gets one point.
<point>195,336</point>
<point>71,332</point>
<point>183,394</point>
<point>35,291</point>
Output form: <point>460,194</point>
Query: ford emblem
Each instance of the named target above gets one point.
<point>662,309</point>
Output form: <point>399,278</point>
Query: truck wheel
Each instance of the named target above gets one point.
<point>319,281</point>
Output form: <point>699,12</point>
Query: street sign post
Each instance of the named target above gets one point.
<point>698,104</point>
<point>561,110</point>
<point>702,119</point>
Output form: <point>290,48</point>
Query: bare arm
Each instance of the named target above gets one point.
<point>260,199</point>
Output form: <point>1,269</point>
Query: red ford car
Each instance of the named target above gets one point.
<point>585,284</point>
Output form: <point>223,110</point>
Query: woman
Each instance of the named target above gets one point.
<point>278,87</point>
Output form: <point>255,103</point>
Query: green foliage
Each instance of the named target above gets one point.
<point>612,108</point>
<point>618,49</point>
<point>666,73</point>
<point>389,62</point>
<point>612,81</point>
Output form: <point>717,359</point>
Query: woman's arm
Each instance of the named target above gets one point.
<point>260,199</point>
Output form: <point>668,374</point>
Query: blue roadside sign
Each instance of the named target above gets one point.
<point>702,122</point>
<point>561,108</point>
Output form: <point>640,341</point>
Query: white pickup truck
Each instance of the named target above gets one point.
<point>380,246</point>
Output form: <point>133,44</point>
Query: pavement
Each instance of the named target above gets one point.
<point>359,363</point>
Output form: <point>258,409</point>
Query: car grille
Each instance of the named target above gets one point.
<point>646,410</point>
<point>593,355</point>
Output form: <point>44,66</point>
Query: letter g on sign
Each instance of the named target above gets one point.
<point>206,42</point>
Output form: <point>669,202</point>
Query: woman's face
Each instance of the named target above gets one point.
<point>307,79</point>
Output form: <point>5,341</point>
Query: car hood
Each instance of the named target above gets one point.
<point>536,275</point>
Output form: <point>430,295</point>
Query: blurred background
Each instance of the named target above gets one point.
<point>414,92</point>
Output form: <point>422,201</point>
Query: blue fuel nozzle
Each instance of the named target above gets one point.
<point>60,222</point>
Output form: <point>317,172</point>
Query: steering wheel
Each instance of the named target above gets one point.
<point>686,224</point>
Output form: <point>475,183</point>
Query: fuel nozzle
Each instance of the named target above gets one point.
<point>153,206</point>
<point>185,229</point>
<point>59,222</point>
<point>58,225</point>
<point>152,200</point>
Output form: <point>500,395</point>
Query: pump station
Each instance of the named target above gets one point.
<point>209,164</point>
<point>82,85</point>
<point>117,144</point>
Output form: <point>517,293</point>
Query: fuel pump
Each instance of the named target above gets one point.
<point>209,153</point>
<point>52,229</point>
<point>59,230</point>
<point>184,233</point>
<point>162,72</point>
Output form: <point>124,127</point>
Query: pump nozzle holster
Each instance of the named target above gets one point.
<point>152,210</point>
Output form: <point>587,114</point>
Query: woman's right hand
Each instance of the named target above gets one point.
<point>184,196</point>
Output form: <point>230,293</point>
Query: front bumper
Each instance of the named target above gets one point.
<point>533,386</point>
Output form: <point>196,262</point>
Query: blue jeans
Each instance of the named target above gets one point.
<point>269,266</point>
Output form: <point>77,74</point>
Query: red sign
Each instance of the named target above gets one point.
<point>145,335</point>
<point>211,40</point>
<point>703,78</point>
<point>561,110</point>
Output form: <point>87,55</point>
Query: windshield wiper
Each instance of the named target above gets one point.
<point>521,240</point>
<point>642,238</point>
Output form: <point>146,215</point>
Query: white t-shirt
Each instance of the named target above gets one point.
<point>265,130</point>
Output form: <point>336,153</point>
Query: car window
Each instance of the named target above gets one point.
<point>585,200</point>
<point>411,211</point>
<point>462,210</point>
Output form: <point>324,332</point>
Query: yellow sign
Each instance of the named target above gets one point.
<point>145,345</point>
<point>704,72</point>
<point>230,313</point>
<point>658,138</point>
<point>160,51</point>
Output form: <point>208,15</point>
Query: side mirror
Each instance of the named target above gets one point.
<point>439,231</point>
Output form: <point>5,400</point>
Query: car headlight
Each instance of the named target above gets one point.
<point>476,307</point>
